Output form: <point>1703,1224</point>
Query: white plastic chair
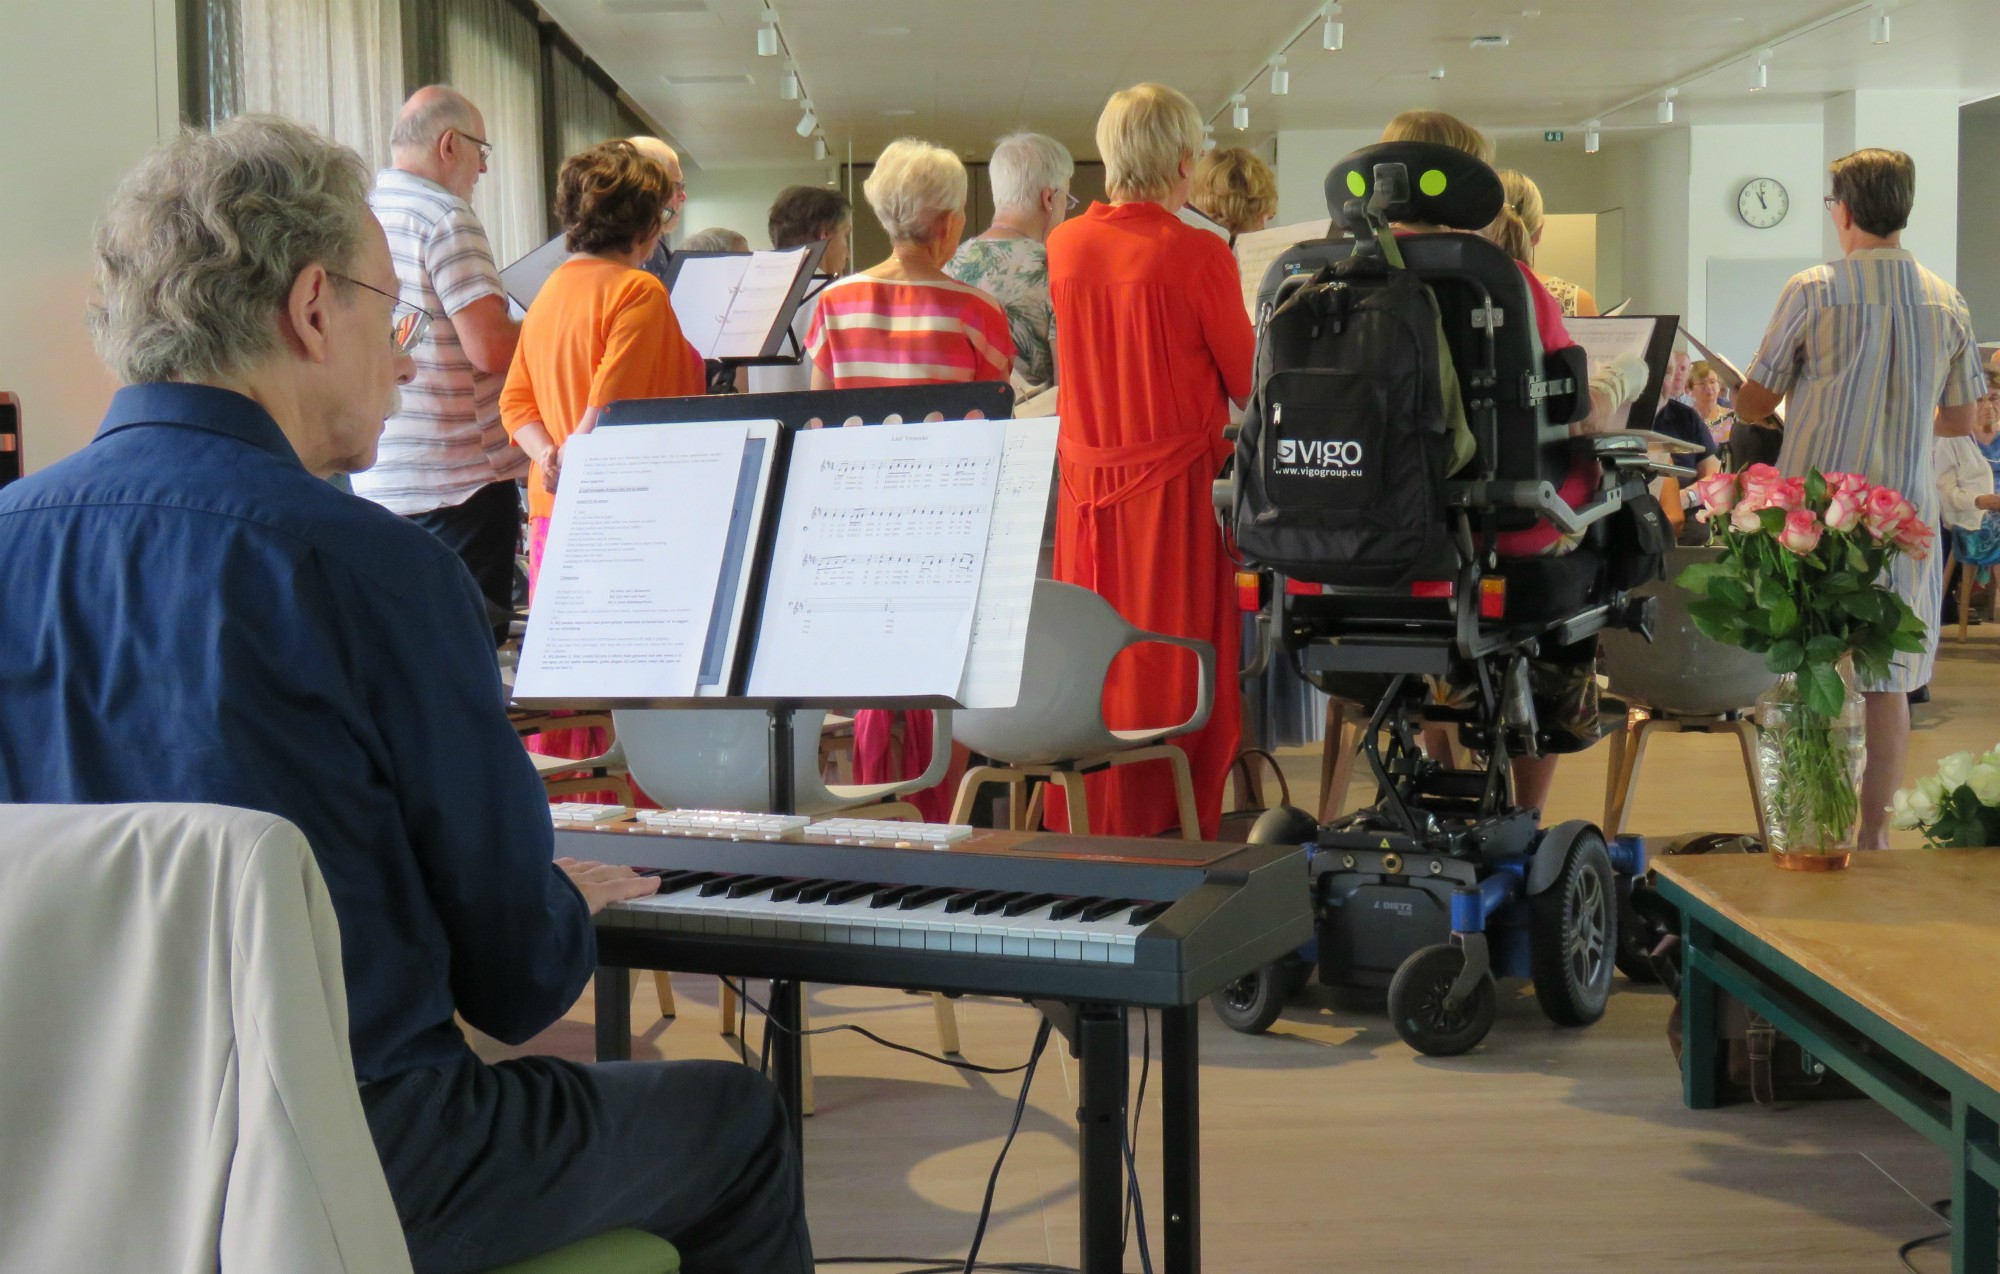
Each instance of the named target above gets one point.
<point>719,759</point>
<point>1056,729</point>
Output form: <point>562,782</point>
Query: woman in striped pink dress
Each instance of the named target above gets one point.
<point>907,322</point>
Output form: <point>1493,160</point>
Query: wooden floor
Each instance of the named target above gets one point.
<point>1329,1145</point>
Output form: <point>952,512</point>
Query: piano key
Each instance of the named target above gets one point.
<point>1106,908</point>
<point>1028,902</point>
<point>846,893</point>
<point>1069,907</point>
<point>925,897</point>
<point>754,885</point>
<point>720,884</point>
<point>994,902</point>
<point>791,889</point>
<point>1142,916</point>
<point>967,900</point>
<point>890,895</point>
<point>816,891</point>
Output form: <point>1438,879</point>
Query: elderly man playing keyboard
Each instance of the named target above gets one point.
<point>188,612</point>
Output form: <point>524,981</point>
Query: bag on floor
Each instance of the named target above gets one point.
<point>1236,823</point>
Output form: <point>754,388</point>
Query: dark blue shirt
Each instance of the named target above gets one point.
<point>1676,419</point>
<point>187,614</point>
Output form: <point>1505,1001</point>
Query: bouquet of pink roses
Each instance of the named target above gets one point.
<point>1797,578</point>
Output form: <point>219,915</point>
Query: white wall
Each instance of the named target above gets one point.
<point>739,199</point>
<point>1924,123</point>
<point>1304,157</point>
<point>1647,179</point>
<point>1721,159</point>
<point>1979,219</point>
<point>86,86</point>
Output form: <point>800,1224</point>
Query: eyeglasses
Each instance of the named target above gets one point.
<point>1074,202</point>
<point>408,324</point>
<point>485,147</point>
<point>1829,201</point>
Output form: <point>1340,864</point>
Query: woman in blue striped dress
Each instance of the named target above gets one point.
<point>1877,356</point>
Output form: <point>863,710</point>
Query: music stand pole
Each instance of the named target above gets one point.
<point>785,1018</point>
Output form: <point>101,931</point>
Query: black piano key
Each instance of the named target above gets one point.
<point>816,891</point>
<point>720,884</point>
<point>850,891</point>
<point>754,885</point>
<point>791,889</point>
<point>892,895</point>
<point>1104,908</point>
<point>994,902</point>
<point>925,897</point>
<point>675,881</point>
<point>1148,913</point>
<point>967,901</point>
<point>1069,907</point>
<point>1025,903</point>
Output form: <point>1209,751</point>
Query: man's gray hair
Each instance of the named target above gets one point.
<point>199,249</point>
<point>1026,164</point>
<point>427,114</point>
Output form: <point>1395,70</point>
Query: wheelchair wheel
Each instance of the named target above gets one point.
<point>1417,1006</point>
<point>1252,1002</point>
<point>1638,935</point>
<point>1573,935</point>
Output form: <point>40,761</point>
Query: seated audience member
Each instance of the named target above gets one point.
<point>1010,262</point>
<point>1154,344</point>
<point>907,322</point>
<point>1678,420</point>
<point>601,329</point>
<point>284,647</point>
<point>444,461</point>
<point>1705,396</point>
<point>1235,190</point>
<point>669,159</point>
<point>715,239</point>
<point>802,215</point>
<point>1968,474</point>
<point>1565,678</point>
<point>1519,232</point>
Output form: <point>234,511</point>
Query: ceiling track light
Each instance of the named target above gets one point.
<point>819,148</point>
<point>1281,79</point>
<point>788,87</point>
<point>1240,117</point>
<point>808,122</point>
<point>1760,77</point>
<point>767,36</point>
<point>1593,138</point>
<point>1437,72</point>
<point>1333,32</point>
<point>1665,111</point>
<point>1208,141</point>
<point>1878,25</point>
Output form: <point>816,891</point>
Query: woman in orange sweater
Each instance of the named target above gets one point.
<point>601,329</point>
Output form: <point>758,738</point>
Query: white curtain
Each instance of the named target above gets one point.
<point>586,113</point>
<point>492,53</point>
<point>336,65</point>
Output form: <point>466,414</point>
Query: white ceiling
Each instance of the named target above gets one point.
<point>964,71</point>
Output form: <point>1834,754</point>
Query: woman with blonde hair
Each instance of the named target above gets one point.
<point>1154,343</point>
<point>1518,232</point>
<point>1235,190</point>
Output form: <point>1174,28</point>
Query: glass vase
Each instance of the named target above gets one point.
<point>1809,776</point>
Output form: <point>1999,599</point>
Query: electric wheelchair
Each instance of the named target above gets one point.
<point>1444,883</point>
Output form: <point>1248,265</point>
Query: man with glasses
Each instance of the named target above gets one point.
<point>1877,358</point>
<point>670,159</point>
<point>445,463</point>
<point>188,612</point>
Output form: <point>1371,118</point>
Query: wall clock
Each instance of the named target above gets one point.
<point>1762,203</point>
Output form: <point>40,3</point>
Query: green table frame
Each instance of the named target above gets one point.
<point>1720,954</point>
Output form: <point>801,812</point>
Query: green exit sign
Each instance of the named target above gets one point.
<point>1553,135</point>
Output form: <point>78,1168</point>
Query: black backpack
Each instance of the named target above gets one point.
<point>1343,453</point>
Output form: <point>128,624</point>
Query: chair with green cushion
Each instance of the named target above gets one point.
<point>619,1252</point>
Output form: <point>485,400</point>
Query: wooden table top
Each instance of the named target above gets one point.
<point>1911,935</point>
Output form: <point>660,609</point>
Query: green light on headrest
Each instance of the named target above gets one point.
<point>1356,184</point>
<point>1431,183</point>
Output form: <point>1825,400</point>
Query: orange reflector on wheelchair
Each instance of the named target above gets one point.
<point>1246,591</point>
<point>1432,590</point>
<point>1493,597</point>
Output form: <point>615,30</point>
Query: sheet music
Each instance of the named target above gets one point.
<point>1255,252</point>
<point>703,292</point>
<point>761,292</point>
<point>524,279</point>
<point>1606,339</point>
<point>632,565</point>
<point>1013,547</point>
<point>881,545</point>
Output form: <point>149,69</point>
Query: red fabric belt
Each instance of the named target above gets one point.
<point>1153,464</point>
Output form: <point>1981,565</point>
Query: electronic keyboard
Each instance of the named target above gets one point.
<point>1083,919</point>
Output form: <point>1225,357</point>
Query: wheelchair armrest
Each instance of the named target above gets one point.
<point>1541,497</point>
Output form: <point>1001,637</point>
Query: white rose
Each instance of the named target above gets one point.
<point>1985,782</point>
<point>1923,805</point>
<point>1932,789</point>
<point>1901,815</point>
<point>1956,769</point>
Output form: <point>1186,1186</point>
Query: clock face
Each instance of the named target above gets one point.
<point>1762,203</point>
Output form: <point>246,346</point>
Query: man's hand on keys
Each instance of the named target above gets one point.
<point>603,883</point>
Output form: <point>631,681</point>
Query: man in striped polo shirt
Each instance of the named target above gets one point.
<point>444,461</point>
<point>1877,356</point>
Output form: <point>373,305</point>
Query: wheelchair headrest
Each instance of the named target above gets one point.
<point>1413,181</point>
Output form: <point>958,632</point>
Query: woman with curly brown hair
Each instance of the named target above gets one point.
<point>601,329</point>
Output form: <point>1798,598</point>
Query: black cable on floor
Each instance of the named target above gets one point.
<point>993,1179</point>
<point>1943,1209</point>
<point>865,1033</point>
<point>1139,1105</point>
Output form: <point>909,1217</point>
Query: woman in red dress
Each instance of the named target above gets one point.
<point>1153,343</point>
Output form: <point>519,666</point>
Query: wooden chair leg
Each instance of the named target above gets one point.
<point>1017,803</point>
<point>1746,738</point>
<point>728,1009</point>
<point>663,986</point>
<point>1032,820</point>
<point>1634,762</point>
<point>1079,803</point>
<point>947,1023</point>
<point>1177,760</point>
<point>1614,773</point>
<point>1333,796</point>
<point>968,790</point>
<point>1329,756</point>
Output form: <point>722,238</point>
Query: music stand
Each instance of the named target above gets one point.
<point>780,333</point>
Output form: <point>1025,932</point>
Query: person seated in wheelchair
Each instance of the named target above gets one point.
<point>1562,679</point>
